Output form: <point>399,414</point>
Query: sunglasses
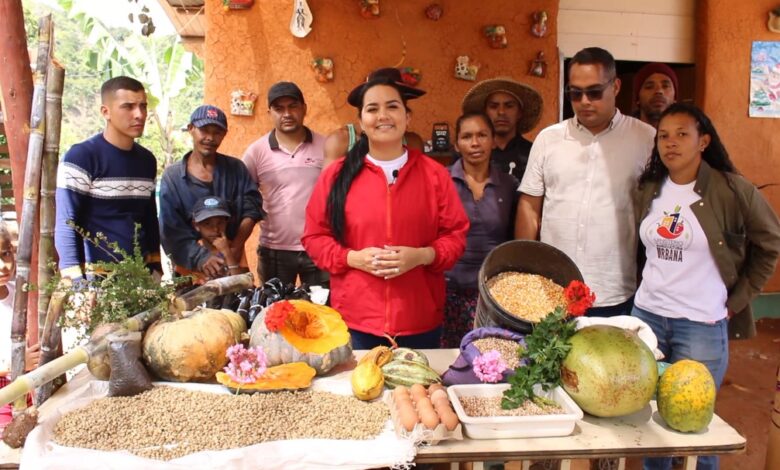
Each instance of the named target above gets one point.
<point>594,93</point>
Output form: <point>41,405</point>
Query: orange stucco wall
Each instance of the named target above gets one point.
<point>727,29</point>
<point>254,48</point>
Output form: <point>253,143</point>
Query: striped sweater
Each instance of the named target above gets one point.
<point>104,189</point>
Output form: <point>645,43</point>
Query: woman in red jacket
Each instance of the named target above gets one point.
<point>386,223</point>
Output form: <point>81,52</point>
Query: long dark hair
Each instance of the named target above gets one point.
<point>353,164</point>
<point>714,154</point>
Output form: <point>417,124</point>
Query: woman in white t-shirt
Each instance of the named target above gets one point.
<point>711,242</point>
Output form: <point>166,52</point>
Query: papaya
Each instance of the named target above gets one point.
<point>686,396</point>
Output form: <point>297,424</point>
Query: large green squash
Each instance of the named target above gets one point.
<point>686,396</point>
<point>609,371</point>
<point>187,349</point>
<point>314,334</point>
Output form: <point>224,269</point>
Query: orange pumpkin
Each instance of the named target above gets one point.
<point>292,376</point>
<point>191,348</point>
<point>311,333</point>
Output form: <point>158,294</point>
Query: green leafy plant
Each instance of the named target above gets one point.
<point>118,289</point>
<point>546,348</point>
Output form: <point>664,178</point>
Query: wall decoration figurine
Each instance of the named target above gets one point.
<point>410,76</point>
<point>434,11</point>
<point>539,27</point>
<point>496,35</point>
<point>323,69</point>
<point>465,69</point>
<point>237,4</point>
<point>774,20</point>
<point>369,8</point>
<point>300,23</point>
<point>242,103</point>
<point>538,66</point>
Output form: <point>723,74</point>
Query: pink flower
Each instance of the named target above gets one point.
<point>489,366</point>
<point>246,365</point>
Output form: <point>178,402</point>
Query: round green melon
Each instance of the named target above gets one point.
<point>686,396</point>
<point>609,371</point>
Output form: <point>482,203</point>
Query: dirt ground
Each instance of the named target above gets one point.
<point>745,398</point>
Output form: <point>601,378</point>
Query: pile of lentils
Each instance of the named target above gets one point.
<point>508,349</point>
<point>491,406</point>
<point>168,422</point>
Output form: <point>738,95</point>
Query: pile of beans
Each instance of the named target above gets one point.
<point>508,349</point>
<point>168,422</point>
<point>491,406</point>
<point>526,296</point>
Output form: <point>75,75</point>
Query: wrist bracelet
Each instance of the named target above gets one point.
<point>234,266</point>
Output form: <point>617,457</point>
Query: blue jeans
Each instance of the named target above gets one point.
<point>427,340</point>
<point>679,338</point>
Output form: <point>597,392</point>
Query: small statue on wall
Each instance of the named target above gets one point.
<point>465,69</point>
<point>300,23</point>
<point>496,35</point>
<point>242,103</point>
<point>539,27</point>
<point>434,11</point>
<point>774,20</point>
<point>323,69</point>
<point>369,8</point>
<point>538,66</point>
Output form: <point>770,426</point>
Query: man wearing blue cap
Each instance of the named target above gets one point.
<point>204,172</point>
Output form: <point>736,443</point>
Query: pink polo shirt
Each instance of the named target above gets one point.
<point>285,179</point>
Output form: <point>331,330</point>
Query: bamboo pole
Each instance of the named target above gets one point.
<point>50,341</point>
<point>54,85</point>
<point>16,85</point>
<point>96,347</point>
<point>32,181</point>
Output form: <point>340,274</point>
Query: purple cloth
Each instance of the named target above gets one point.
<point>492,222</point>
<point>461,372</point>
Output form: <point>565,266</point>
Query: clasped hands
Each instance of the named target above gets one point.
<point>391,261</point>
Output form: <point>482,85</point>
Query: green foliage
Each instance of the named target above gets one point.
<point>91,53</point>
<point>546,348</point>
<point>120,289</point>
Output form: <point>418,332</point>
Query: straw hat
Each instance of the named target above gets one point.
<point>530,99</point>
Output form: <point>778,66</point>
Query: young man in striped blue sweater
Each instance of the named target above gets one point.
<point>106,185</point>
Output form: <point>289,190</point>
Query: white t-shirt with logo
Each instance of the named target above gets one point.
<point>389,167</point>
<point>6,317</point>
<point>680,278</point>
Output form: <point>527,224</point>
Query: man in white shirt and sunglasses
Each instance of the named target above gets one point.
<point>576,191</point>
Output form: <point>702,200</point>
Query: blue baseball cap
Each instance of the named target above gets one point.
<point>208,114</point>
<point>209,206</point>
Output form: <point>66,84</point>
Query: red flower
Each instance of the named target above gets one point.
<point>579,298</point>
<point>276,316</point>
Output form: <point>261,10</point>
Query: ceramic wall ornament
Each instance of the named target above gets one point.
<point>237,4</point>
<point>538,66</point>
<point>323,69</point>
<point>434,11</point>
<point>465,69</point>
<point>410,76</point>
<point>300,23</point>
<point>496,35</point>
<point>242,103</point>
<point>774,20</point>
<point>369,9</point>
<point>539,27</point>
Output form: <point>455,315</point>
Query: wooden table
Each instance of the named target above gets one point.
<point>642,434</point>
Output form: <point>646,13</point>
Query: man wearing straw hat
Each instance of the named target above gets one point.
<point>514,108</point>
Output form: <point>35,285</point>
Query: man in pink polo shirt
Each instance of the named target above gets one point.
<point>285,163</point>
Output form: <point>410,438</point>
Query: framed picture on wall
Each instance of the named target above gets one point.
<point>765,79</point>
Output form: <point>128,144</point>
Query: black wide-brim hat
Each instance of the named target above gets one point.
<point>384,75</point>
<point>530,99</point>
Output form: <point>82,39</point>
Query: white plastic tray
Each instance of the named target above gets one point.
<point>507,427</point>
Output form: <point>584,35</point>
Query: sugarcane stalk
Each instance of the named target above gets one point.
<point>54,85</point>
<point>32,181</point>
<point>95,347</point>
<point>773,444</point>
<point>50,340</point>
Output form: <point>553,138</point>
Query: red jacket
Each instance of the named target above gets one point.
<point>420,209</point>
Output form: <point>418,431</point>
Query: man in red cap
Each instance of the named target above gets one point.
<point>655,89</point>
